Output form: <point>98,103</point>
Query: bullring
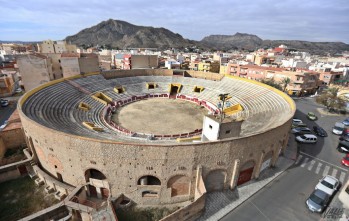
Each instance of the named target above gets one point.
<point>71,133</point>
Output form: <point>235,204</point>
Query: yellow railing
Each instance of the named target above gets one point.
<point>188,139</point>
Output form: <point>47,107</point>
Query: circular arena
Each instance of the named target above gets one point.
<point>155,137</point>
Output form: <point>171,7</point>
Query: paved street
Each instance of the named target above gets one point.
<point>284,198</point>
<point>5,112</point>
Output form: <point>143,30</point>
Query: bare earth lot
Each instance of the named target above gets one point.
<point>160,116</point>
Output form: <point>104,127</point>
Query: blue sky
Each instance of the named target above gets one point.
<point>310,20</point>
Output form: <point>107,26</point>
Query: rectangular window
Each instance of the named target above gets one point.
<point>227,132</point>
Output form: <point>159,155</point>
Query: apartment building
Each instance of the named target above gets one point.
<point>140,61</point>
<point>209,66</point>
<point>6,84</point>
<point>301,82</point>
<point>35,69</point>
<point>49,46</point>
<point>74,64</point>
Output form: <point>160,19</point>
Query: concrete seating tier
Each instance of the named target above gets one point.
<point>56,106</point>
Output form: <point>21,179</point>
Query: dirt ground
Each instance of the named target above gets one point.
<point>160,116</point>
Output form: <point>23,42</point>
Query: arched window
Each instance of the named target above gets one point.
<point>94,174</point>
<point>179,185</point>
<point>149,180</point>
<point>215,180</point>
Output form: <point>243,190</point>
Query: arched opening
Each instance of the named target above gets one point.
<point>215,180</point>
<point>246,172</point>
<point>149,181</point>
<point>179,185</point>
<point>94,174</point>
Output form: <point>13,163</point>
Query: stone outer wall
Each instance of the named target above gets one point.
<point>124,163</point>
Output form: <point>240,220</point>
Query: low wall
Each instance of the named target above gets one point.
<point>54,212</point>
<point>204,75</point>
<point>10,174</point>
<point>136,72</point>
<point>188,213</point>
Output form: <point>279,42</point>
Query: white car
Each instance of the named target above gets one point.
<point>18,90</point>
<point>328,184</point>
<point>338,128</point>
<point>296,121</point>
<point>306,138</point>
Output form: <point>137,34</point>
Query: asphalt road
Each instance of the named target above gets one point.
<point>5,112</point>
<point>284,198</point>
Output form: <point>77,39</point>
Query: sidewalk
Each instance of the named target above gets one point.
<point>218,204</point>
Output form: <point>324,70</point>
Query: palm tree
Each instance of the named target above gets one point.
<point>285,82</point>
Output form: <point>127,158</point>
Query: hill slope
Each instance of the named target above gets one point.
<point>122,34</point>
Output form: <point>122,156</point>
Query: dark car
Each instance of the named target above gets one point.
<point>344,137</point>
<point>343,146</point>
<point>319,131</point>
<point>318,201</point>
<point>4,103</point>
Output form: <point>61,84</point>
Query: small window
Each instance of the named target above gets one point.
<point>210,126</point>
<point>151,86</point>
<point>119,90</point>
<point>227,132</point>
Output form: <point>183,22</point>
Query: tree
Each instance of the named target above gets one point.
<point>331,100</point>
<point>285,82</point>
<point>271,82</point>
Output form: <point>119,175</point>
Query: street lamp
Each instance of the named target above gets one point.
<point>222,98</point>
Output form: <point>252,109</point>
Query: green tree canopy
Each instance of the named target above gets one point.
<point>331,100</point>
<point>271,82</point>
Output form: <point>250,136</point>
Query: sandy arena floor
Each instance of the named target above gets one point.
<point>161,116</point>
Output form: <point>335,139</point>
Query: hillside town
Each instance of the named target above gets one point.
<point>36,80</point>
<point>24,67</point>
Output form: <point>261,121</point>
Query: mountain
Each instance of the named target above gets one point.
<point>121,34</point>
<point>232,42</point>
<point>253,42</point>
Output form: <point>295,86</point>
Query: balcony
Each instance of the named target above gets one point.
<point>298,81</point>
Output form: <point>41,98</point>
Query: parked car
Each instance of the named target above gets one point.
<point>345,160</point>
<point>4,103</point>
<point>301,130</point>
<point>18,90</point>
<point>343,146</point>
<point>328,184</point>
<point>299,125</point>
<point>296,121</point>
<point>344,137</point>
<point>311,116</point>
<point>346,122</point>
<point>306,138</point>
<point>345,131</point>
<point>318,201</point>
<point>319,131</point>
<point>338,128</point>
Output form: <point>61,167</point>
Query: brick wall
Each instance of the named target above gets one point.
<point>124,163</point>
